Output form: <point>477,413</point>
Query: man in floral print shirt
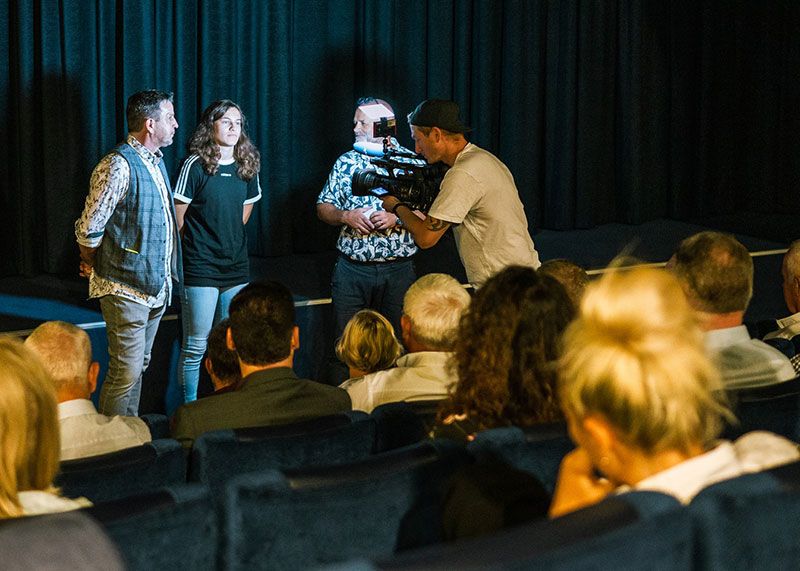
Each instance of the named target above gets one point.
<point>375,266</point>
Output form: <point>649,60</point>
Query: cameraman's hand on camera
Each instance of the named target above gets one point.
<point>357,221</point>
<point>383,220</point>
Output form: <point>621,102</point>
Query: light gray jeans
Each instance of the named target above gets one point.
<point>131,329</point>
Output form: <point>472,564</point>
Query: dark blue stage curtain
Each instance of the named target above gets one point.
<point>605,111</point>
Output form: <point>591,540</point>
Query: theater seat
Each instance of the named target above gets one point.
<point>305,518</point>
<point>71,540</point>
<point>633,531</point>
<point>537,450</point>
<point>174,528</point>
<point>158,425</point>
<point>775,408</point>
<point>400,424</point>
<point>128,472</point>
<point>218,456</point>
<point>750,522</point>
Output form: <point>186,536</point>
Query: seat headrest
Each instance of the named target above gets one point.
<point>313,425</point>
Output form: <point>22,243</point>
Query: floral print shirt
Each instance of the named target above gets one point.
<point>377,246</point>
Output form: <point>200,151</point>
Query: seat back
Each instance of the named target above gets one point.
<point>70,540</point>
<point>629,531</point>
<point>401,424</point>
<point>174,528</point>
<point>301,519</point>
<point>158,425</point>
<point>775,408</point>
<point>748,522</point>
<point>220,455</point>
<point>537,450</point>
<point>128,472</point>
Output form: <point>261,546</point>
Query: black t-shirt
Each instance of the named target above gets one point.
<point>214,238</point>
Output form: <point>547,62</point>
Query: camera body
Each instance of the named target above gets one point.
<point>408,178</point>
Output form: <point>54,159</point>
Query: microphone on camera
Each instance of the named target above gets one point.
<point>370,149</point>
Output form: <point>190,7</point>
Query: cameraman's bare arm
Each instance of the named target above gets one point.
<point>329,214</point>
<point>426,231</point>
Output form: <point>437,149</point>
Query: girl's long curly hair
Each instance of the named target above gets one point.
<point>203,144</point>
<point>507,346</point>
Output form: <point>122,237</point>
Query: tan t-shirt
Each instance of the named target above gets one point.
<point>479,196</point>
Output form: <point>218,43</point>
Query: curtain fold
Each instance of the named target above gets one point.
<point>609,111</point>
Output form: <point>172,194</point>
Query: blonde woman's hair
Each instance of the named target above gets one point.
<point>636,357</point>
<point>29,436</point>
<point>368,342</point>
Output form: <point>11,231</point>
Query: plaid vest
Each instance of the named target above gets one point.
<point>134,244</point>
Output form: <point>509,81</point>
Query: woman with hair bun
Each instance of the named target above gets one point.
<point>29,436</point>
<point>214,196</point>
<point>643,402</point>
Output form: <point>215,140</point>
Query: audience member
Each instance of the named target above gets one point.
<point>263,333</point>
<point>58,542</point>
<point>221,363</point>
<point>432,307</point>
<point>643,401</point>
<point>28,436</point>
<point>368,344</point>
<point>573,277</point>
<point>505,353</point>
<point>66,353</point>
<point>716,273</point>
<point>788,328</point>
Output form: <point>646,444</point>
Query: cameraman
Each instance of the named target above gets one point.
<point>374,268</point>
<point>477,196</point>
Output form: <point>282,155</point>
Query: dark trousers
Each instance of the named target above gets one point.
<point>379,286</point>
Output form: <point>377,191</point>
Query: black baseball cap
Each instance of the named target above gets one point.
<point>438,113</point>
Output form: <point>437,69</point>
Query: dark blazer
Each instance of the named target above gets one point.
<point>264,398</point>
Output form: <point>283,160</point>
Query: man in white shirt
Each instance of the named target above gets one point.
<point>66,352</point>
<point>789,327</point>
<point>432,308</point>
<point>716,273</point>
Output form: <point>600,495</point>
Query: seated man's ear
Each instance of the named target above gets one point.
<point>405,326</point>
<point>209,367</point>
<point>91,376</point>
<point>295,338</point>
<point>229,340</point>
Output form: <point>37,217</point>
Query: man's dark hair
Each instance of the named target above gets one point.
<point>716,272</point>
<point>573,277</point>
<point>144,105</point>
<point>261,321</point>
<point>223,360</point>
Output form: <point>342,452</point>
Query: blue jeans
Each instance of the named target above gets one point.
<point>131,329</point>
<point>379,286</point>
<point>202,308</point>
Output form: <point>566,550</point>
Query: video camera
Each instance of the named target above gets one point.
<point>414,183</point>
<point>408,176</point>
